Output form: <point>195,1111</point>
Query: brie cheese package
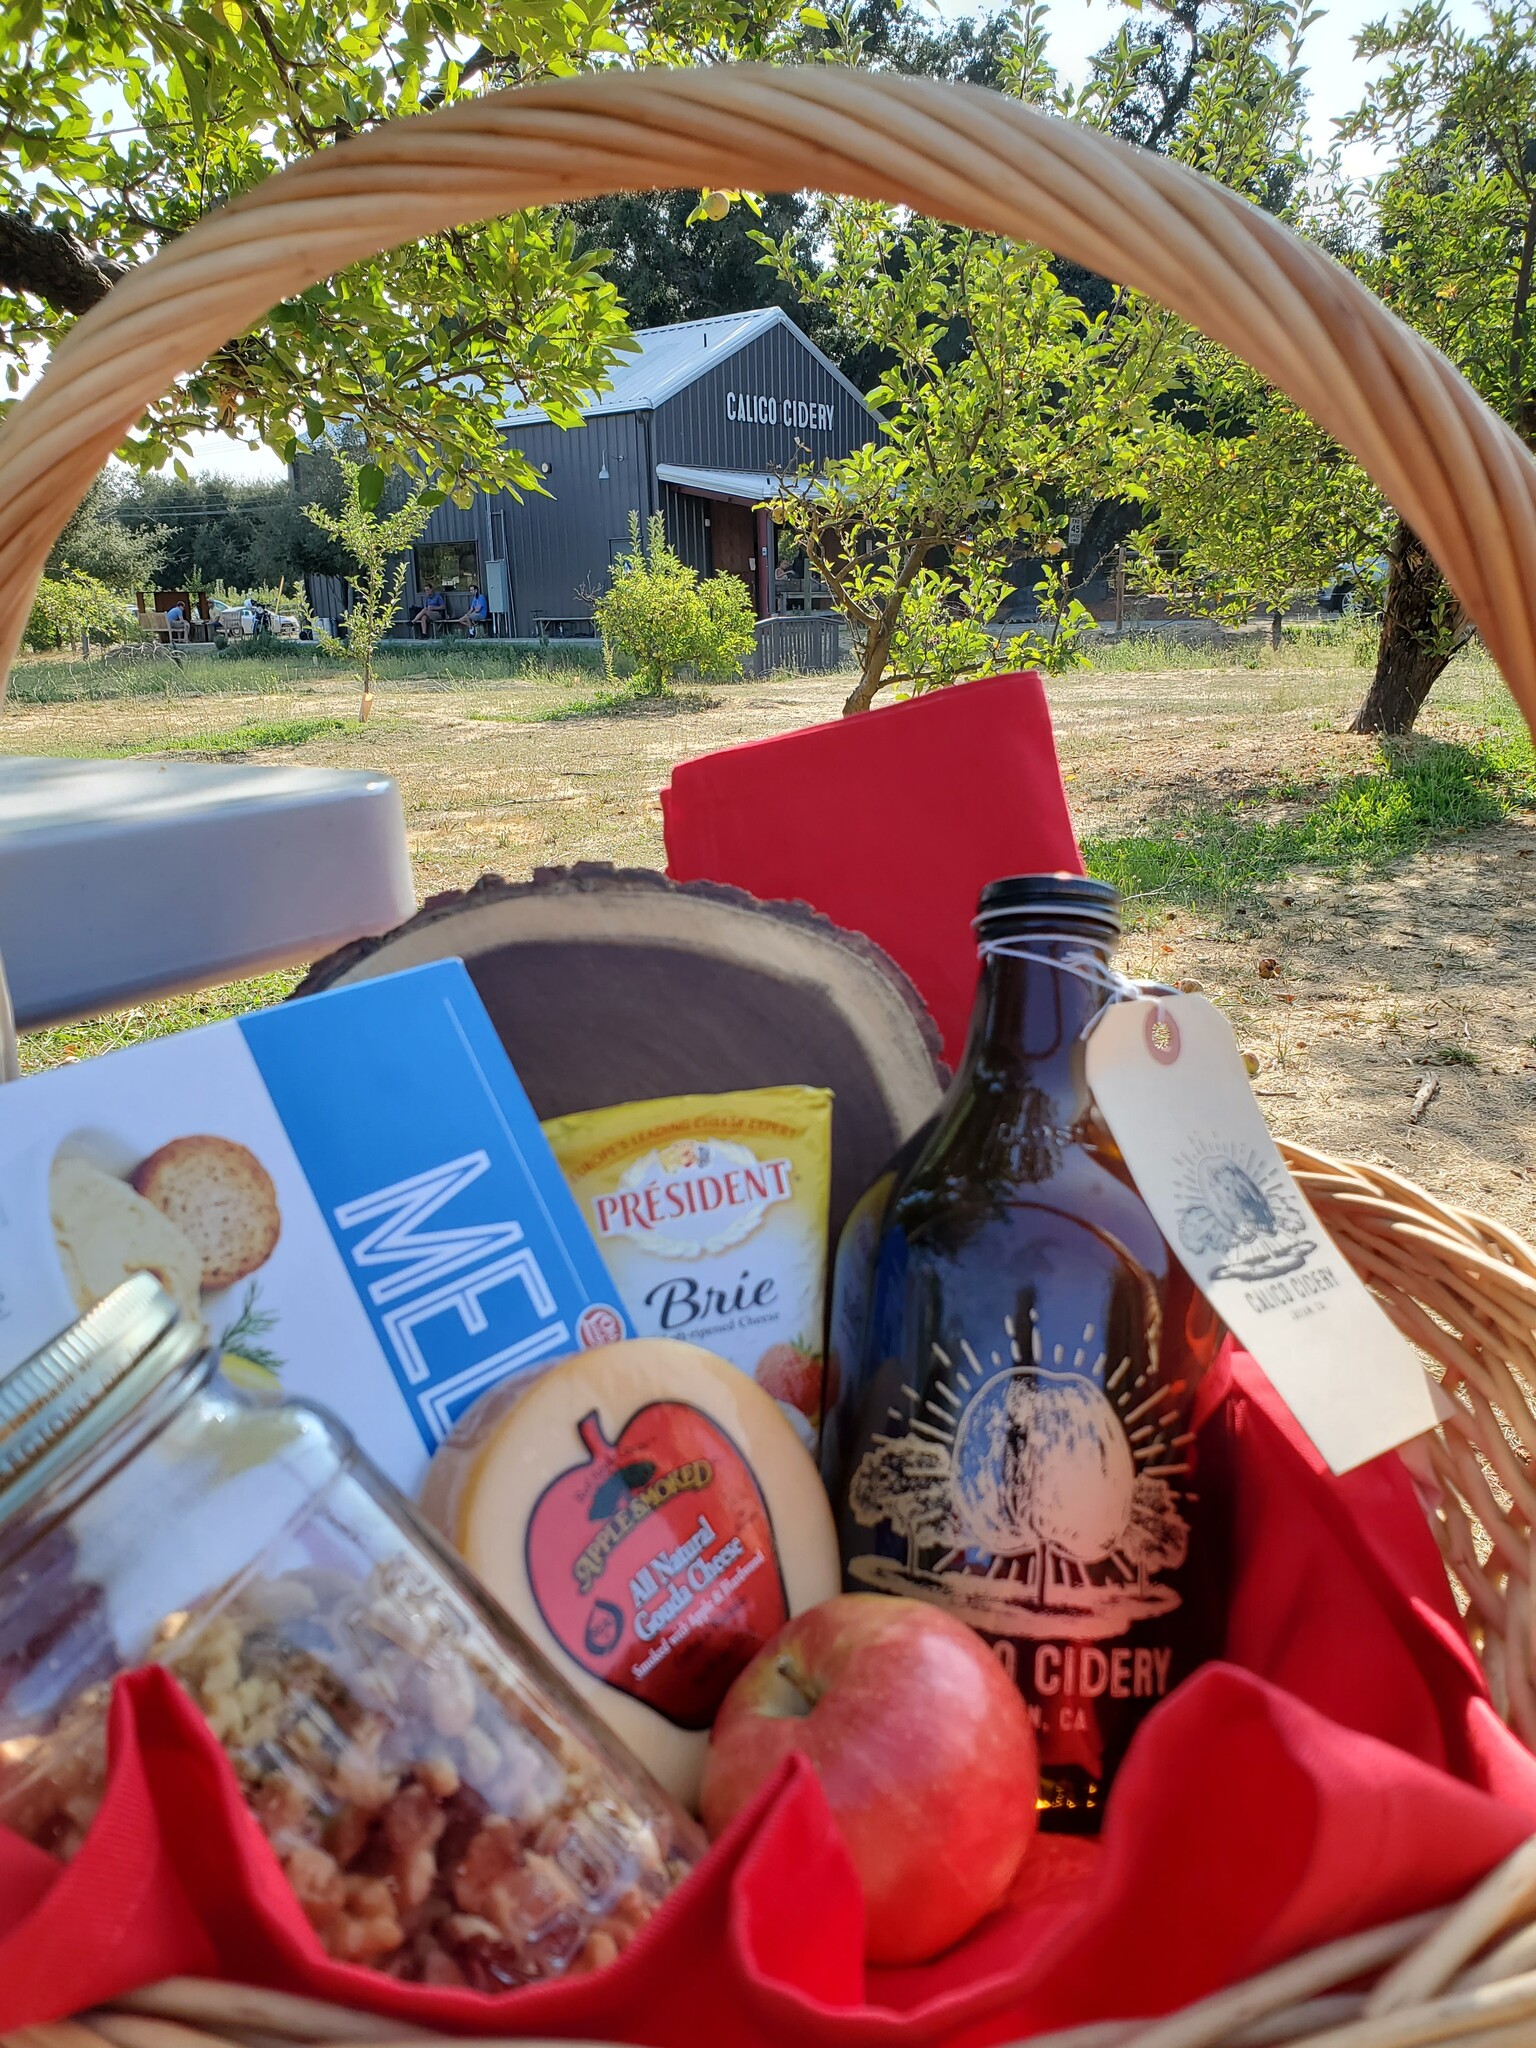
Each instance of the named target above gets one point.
<point>352,1192</point>
<point>710,1212</point>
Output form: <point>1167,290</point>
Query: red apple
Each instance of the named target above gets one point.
<point>922,1745</point>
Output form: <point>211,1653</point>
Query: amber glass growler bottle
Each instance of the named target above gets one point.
<point>1020,1355</point>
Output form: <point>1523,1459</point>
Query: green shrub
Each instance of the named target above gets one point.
<point>73,604</point>
<point>266,646</point>
<point>666,620</point>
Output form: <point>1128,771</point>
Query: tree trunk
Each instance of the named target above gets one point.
<point>862,695</point>
<point>1276,627</point>
<point>877,642</point>
<point>1422,626</point>
<point>877,648</point>
<point>53,266</point>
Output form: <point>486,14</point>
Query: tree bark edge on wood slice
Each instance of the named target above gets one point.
<point>611,984</point>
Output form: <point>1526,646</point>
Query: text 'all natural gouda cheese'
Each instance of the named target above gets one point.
<point>647,1515</point>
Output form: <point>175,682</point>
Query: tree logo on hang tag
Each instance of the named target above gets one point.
<point>1242,1211</point>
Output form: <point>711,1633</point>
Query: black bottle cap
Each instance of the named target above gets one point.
<point>1076,903</point>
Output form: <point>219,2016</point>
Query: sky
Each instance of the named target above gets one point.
<point>1338,80</point>
<point>1077,28</point>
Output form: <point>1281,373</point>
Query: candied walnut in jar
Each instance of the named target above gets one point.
<point>442,1805</point>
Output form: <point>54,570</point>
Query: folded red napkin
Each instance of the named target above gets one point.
<point>888,823</point>
<point>1344,1768</point>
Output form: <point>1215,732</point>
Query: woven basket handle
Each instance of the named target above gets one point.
<point>1455,471</point>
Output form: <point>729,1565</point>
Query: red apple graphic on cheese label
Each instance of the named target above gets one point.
<point>653,1561</point>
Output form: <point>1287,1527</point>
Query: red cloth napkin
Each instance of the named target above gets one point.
<point>1344,1768</point>
<point>888,823</point>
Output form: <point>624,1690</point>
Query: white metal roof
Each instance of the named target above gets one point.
<point>669,358</point>
<point>742,486</point>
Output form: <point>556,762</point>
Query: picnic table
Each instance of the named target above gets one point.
<point>121,881</point>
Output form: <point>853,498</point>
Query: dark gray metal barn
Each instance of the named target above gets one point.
<point>698,425</point>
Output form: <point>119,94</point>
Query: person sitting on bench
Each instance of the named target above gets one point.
<point>434,609</point>
<point>478,615</point>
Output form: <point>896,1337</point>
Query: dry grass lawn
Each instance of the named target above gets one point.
<point>1377,980</point>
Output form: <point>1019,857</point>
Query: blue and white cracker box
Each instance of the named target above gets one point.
<point>352,1191</point>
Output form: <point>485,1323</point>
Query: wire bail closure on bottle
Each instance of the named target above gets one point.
<point>1081,965</point>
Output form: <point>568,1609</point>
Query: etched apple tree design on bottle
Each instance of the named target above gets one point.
<point>1044,1491</point>
<point>907,1482</point>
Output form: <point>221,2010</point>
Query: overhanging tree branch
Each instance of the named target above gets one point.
<point>51,265</point>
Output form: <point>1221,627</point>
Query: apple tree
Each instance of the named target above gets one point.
<point>1157,1536</point>
<point>1016,396</point>
<point>906,1482</point>
<point>988,434</point>
<point>375,540</point>
<point>122,122</point>
<point>1254,504</point>
<point>1447,236</point>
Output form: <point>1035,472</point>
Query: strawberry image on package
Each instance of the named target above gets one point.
<point>710,1212</point>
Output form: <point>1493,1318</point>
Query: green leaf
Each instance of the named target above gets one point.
<point>233,13</point>
<point>370,486</point>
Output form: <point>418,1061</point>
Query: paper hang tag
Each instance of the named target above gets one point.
<point>1171,1086</point>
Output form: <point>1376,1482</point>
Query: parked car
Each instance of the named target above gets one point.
<point>1358,587</point>
<point>245,620</point>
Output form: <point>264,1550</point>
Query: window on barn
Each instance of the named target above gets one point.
<point>450,564</point>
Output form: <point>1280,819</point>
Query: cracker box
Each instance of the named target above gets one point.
<point>352,1191</point>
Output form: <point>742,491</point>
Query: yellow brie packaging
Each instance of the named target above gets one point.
<point>710,1212</point>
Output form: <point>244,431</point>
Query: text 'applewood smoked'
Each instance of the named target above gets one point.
<point>648,1516</point>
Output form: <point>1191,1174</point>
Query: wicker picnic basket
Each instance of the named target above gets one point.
<point>1463,1288</point>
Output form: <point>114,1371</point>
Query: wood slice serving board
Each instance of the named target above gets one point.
<point>615,985</point>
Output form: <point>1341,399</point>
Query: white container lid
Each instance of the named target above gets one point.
<point>125,880</point>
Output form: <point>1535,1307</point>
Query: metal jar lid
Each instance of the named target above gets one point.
<point>65,1399</point>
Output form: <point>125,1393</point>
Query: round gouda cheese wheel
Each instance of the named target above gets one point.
<point>647,1516</point>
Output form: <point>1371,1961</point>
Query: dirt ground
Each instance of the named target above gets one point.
<point>1380,982</point>
<point>1384,980</point>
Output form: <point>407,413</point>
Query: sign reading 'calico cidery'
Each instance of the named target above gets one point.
<point>761,409</point>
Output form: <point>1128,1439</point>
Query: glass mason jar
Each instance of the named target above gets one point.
<point>443,1805</point>
<point>1020,1352</point>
